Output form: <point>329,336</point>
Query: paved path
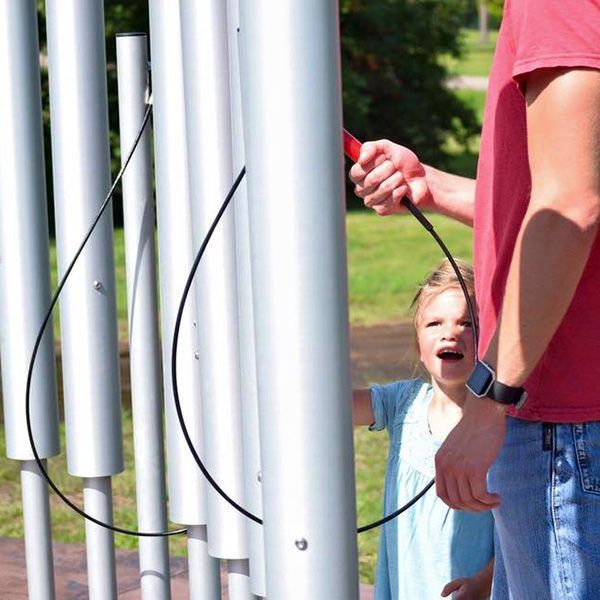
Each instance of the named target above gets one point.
<point>70,574</point>
<point>467,82</point>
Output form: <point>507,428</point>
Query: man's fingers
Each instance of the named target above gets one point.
<point>379,176</point>
<point>418,189</point>
<point>462,492</point>
<point>368,151</point>
<point>480,493</point>
<point>386,190</point>
<point>446,489</point>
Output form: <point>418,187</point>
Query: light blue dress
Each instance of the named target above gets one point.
<point>430,544</point>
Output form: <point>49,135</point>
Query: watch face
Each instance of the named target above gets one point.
<point>480,380</point>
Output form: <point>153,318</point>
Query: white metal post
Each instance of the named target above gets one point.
<point>25,282</point>
<point>144,347</point>
<point>291,91</point>
<point>248,386</point>
<point>81,168</point>
<point>208,118</point>
<point>187,501</point>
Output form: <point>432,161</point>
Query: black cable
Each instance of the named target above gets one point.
<point>426,224</point>
<point>415,212</point>
<point>38,341</point>
<point>186,290</point>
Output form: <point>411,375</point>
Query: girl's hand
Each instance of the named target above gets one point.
<point>385,173</point>
<point>465,588</point>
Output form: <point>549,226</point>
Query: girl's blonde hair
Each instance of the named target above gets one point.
<point>443,278</point>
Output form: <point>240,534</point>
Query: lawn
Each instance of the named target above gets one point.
<point>477,57</point>
<point>387,257</point>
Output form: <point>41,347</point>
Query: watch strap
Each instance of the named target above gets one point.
<point>506,394</point>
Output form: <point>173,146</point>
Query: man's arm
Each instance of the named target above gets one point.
<point>452,195</point>
<point>386,172</point>
<point>552,248</point>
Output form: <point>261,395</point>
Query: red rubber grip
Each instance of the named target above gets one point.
<point>351,146</point>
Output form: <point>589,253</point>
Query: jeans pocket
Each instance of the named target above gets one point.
<point>587,446</point>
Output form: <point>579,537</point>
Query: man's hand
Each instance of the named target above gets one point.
<point>385,173</point>
<point>463,460</point>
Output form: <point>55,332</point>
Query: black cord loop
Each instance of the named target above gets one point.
<point>38,341</point>
<point>426,224</point>
<point>415,212</point>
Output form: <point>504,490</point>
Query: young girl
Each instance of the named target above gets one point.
<point>431,544</point>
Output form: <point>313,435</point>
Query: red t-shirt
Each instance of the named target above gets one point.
<point>565,385</point>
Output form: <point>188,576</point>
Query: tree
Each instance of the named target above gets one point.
<point>394,83</point>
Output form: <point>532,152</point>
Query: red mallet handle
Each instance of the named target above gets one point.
<point>351,146</point>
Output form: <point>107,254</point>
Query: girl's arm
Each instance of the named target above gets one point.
<point>478,587</point>
<point>362,411</point>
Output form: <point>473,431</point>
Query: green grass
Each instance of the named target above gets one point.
<point>477,57</point>
<point>462,158</point>
<point>388,257</point>
<point>371,457</point>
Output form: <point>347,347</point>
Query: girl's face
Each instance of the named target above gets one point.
<point>444,336</point>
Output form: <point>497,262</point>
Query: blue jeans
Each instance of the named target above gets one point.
<point>547,544</point>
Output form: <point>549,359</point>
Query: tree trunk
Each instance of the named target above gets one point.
<point>483,22</point>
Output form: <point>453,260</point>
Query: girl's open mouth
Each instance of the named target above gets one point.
<point>451,355</point>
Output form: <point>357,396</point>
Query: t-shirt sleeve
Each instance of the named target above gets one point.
<point>554,33</point>
<point>387,399</point>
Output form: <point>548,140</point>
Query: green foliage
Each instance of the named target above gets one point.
<point>393,80</point>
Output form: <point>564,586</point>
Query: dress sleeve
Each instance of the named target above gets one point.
<point>554,33</point>
<point>387,399</point>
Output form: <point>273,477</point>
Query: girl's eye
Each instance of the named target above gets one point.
<point>466,323</point>
<point>432,323</point>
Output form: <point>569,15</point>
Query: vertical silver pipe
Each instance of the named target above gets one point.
<point>251,433</point>
<point>38,533</point>
<point>208,117</point>
<point>291,92</point>
<point>204,579</point>
<point>238,579</point>
<point>81,167</point>
<point>144,349</point>
<point>102,579</point>
<point>187,501</point>
<point>25,281</point>
<point>24,258</point>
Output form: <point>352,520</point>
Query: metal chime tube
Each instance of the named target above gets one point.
<point>187,501</point>
<point>291,92</point>
<point>251,431</point>
<point>144,347</point>
<point>81,167</point>
<point>208,119</point>
<point>25,282</point>
<point>38,532</point>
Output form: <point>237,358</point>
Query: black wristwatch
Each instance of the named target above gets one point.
<point>483,384</point>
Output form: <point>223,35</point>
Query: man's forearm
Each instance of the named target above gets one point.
<point>452,195</point>
<point>551,251</point>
